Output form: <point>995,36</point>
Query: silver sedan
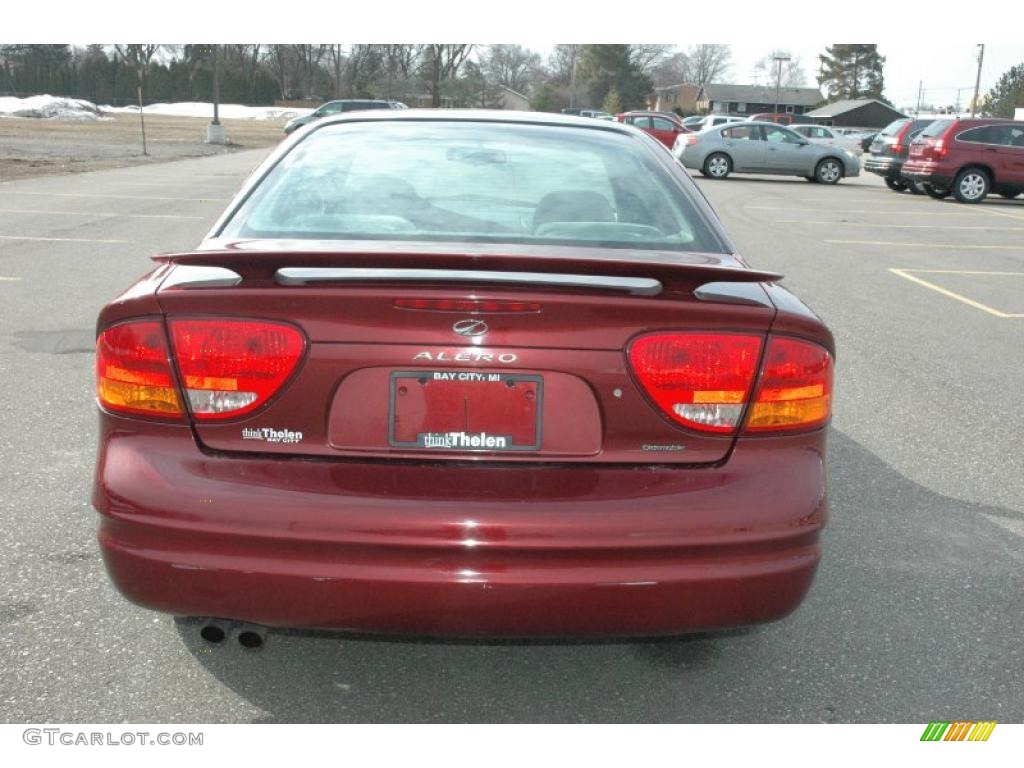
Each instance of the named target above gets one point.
<point>756,147</point>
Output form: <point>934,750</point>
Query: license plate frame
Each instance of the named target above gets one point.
<point>446,444</point>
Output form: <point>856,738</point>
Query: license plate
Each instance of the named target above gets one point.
<point>466,411</point>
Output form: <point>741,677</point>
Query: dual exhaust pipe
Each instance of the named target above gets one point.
<point>251,637</point>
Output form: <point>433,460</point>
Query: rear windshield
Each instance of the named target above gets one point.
<point>937,128</point>
<point>894,127</point>
<point>477,182</point>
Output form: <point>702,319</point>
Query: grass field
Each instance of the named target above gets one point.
<point>36,147</point>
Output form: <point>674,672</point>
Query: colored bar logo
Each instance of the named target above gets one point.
<point>958,731</point>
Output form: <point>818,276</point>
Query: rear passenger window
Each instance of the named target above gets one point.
<point>748,132</point>
<point>986,134</point>
<point>661,124</point>
<point>642,122</point>
<point>1016,136</point>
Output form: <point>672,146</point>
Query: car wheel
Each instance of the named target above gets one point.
<point>717,166</point>
<point>1009,195</point>
<point>829,171</point>
<point>915,188</point>
<point>971,185</point>
<point>896,185</point>
<point>938,194</point>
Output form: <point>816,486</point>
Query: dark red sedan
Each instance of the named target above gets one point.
<point>474,374</point>
<point>662,126</point>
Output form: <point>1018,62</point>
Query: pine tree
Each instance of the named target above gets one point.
<point>852,71</point>
<point>1006,95</point>
<point>604,67</point>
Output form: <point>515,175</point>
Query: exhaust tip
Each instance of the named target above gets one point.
<point>251,637</point>
<point>213,633</point>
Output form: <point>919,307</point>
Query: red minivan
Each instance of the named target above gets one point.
<point>665,128</point>
<point>969,158</point>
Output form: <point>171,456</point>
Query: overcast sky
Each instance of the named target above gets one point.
<point>942,70</point>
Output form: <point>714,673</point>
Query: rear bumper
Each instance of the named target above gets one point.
<point>886,167</point>
<point>496,551</point>
<point>929,173</point>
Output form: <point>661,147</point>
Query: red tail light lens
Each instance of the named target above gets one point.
<point>133,372</point>
<point>691,140</point>
<point>699,380</point>
<point>232,367</point>
<point>795,390</point>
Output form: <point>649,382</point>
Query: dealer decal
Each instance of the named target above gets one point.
<point>270,435</point>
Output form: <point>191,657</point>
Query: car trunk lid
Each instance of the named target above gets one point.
<point>442,353</point>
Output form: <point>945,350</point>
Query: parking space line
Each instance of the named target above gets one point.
<point>61,239</point>
<point>857,210</point>
<point>953,295</point>
<point>901,226</point>
<point>123,197</point>
<point>1007,214</point>
<point>9,279</point>
<point>101,215</point>
<point>945,246</point>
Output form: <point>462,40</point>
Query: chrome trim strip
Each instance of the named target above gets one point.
<point>190,276</point>
<point>641,286</point>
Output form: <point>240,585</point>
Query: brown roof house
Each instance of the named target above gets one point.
<point>669,98</point>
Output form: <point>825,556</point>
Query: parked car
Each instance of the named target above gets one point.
<point>339,106</point>
<point>819,134</point>
<point>969,158</point>
<point>756,147</point>
<point>463,373</point>
<point>781,118</point>
<point>889,150</point>
<point>662,127</point>
<point>599,114</point>
<point>710,121</point>
<point>693,122</point>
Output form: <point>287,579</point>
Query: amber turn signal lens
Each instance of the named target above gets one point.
<point>133,374</point>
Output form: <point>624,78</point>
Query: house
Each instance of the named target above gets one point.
<point>510,99</point>
<point>856,113</point>
<point>672,98</point>
<point>721,99</point>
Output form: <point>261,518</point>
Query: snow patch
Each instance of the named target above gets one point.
<point>62,108</point>
<point>205,109</point>
<point>49,107</point>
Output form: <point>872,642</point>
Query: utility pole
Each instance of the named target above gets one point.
<point>977,80</point>
<point>920,91</point>
<point>778,78</point>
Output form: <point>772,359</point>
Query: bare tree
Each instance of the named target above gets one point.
<point>443,63</point>
<point>793,75</point>
<point>647,57</point>
<point>708,62</point>
<point>509,65</point>
<point>138,56</point>
<point>672,70</point>
<point>336,55</point>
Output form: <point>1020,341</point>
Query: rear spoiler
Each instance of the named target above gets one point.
<point>636,272</point>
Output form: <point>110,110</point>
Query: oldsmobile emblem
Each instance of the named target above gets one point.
<point>470,327</point>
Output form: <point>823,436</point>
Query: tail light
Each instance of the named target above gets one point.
<point>133,371</point>
<point>691,140</point>
<point>795,389</point>
<point>231,367</point>
<point>228,367</point>
<point>705,381</point>
<point>701,381</point>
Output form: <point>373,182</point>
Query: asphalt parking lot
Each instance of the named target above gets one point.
<point>917,613</point>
